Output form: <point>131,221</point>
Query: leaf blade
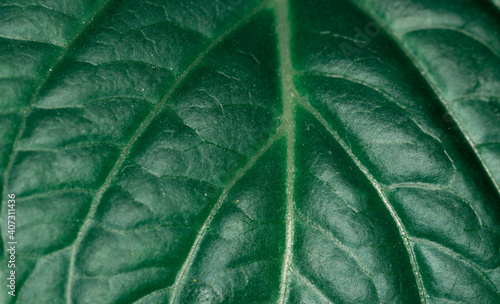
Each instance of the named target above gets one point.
<point>293,155</point>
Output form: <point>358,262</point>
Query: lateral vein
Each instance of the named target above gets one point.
<point>401,229</point>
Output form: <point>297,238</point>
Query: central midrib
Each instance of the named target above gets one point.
<point>290,97</point>
<point>288,121</point>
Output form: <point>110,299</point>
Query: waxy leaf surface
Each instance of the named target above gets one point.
<point>301,151</point>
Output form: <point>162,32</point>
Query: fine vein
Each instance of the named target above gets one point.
<point>287,91</point>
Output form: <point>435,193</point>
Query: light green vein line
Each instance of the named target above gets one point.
<point>206,224</point>
<point>51,70</point>
<point>288,121</point>
<point>401,229</point>
<point>147,121</point>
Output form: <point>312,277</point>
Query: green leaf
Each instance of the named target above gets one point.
<point>251,151</point>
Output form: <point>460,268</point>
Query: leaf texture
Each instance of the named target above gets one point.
<point>251,151</point>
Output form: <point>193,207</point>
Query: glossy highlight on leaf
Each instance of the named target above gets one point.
<point>279,151</point>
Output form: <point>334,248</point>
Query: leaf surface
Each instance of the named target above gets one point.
<point>251,151</point>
